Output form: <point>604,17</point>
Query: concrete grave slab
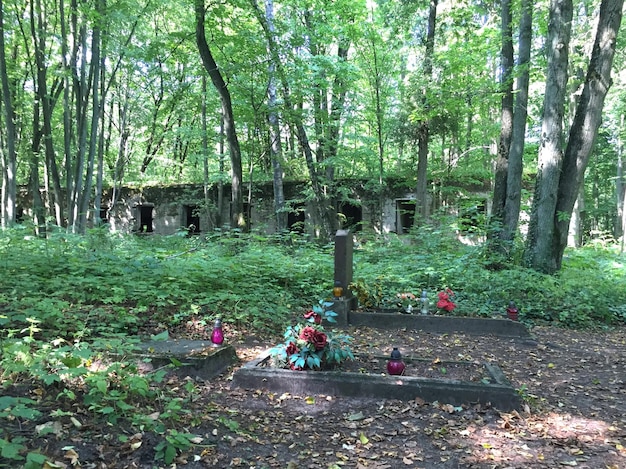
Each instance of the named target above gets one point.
<point>498,392</point>
<point>440,324</point>
<point>198,358</point>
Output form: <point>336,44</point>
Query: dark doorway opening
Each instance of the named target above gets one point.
<point>296,218</point>
<point>351,216</point>
<point>405,215</point>
<point>102,215</point>
<point>146,219</point>
<point>191,219</point>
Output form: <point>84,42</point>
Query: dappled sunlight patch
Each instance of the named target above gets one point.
<point>566,426</point>
<point>550,440</point>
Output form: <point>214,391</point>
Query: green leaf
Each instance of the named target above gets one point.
<point>34,460</point>
<point>356,416</point>
<point>10,450</point>
<point>163,336</point>
<point>169,454</point>
<point>175,362</point>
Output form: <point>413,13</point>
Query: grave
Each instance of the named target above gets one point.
<point>348,315</point>
<point>343,304</point>
<point>493,388</point>
<point>195,358</point>
<point>496,391</point>
<point>441,324</point>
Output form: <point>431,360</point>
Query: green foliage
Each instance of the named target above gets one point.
<point>310,345</point>
<point>70,314</point>
<point>174,443</point>
<point>589,290</point>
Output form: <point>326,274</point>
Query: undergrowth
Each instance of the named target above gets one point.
<point>68,302</point>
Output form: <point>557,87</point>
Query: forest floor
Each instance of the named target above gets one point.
<point>573,385</point>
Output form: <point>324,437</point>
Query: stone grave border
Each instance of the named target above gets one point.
<point>428,323</point>
<point>498,393</point>
<point>195,358</point>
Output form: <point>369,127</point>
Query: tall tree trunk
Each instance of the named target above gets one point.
<point>9,161</point>
<point>423,132</point>
<point>516,152</point>
<point>274,131</point>
<point>541,242</point>
<point>320,204</point>
<point>587,120</point>
<point>220,185</point>
<point>102,138</point>
<point>337,106</point>
<point>620,185</point>
<point>376,83</point>
<point>506,118</point>
<point>85,196</point>
<point>237,215</point>
<point>43,96</point>
<point>205,154</point>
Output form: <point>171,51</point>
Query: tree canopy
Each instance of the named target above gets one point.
<point>102,94</point>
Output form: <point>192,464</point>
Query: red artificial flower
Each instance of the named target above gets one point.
<point>314,337</point>
<point>317,319</point>
<point>444,300</point>
<point>307,333</point>
<point>291,349</point>
<point>319,340</point>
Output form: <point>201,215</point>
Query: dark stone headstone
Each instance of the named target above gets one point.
<point>343,264</point>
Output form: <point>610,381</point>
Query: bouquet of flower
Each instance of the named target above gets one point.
<point>310,346</point>
<point>407,300</point>
<point>445,300</point>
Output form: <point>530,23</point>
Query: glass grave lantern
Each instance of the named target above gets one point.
<point>395,365</point>
<point>217,336</point>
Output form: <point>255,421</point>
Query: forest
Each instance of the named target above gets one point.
<point>523,96</point>
<point>437,99</point>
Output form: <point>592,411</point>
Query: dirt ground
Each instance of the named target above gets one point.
<point>573,385</point>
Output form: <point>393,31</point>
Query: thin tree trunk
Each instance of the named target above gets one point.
<point>220,184</point>
<point>320,203</point>
<point>205,154</point>
<point>274,131</point>
<point>9,166</point>
<point>506,118</point>
<point>37,32</point>
<point>237,215</point>
<point>85,196</point>
<point>423,132</point>
<point>120,162</point>
<point>516,152</point>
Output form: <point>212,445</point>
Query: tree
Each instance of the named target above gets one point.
<point>423,131</point>
<point>584,130</point>
<point>274,132</point>
<point>506,116</point>
<point>520,114</point>
<point>237,215</point>
<point>8,161</point>
<point>320,206</point>
<point>560,174</point>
